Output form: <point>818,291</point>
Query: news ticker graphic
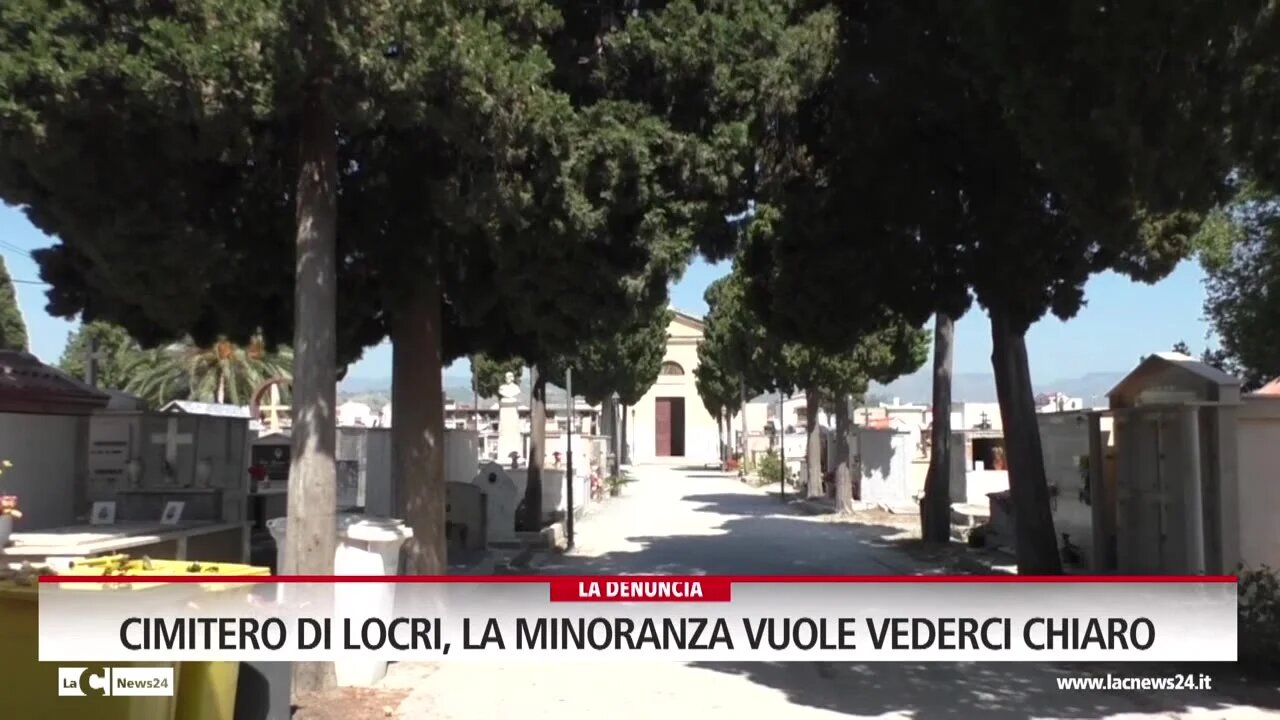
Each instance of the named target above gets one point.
<point>631,618</point>
<point>98,681</point>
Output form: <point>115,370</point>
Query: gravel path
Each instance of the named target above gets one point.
<point>689,521</point>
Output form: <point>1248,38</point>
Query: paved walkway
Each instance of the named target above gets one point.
<point>690,521</point>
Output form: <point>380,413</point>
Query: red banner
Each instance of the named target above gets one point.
<point>640,589</point>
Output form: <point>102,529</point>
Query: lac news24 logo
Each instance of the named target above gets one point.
<point>100,681</point>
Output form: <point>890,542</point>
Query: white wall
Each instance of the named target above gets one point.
<point>46,451</point>
<point>1064,439</point>
<point>966,416</point>
<point>1259,481</point>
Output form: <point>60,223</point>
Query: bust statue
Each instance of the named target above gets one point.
<point>509,389</point>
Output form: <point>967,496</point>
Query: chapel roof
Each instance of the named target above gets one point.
<point>688,317</point>
<point>30,386</point>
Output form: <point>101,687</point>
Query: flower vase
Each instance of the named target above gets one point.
<point>6,529</point>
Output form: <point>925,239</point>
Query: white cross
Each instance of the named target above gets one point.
<point>272,409</point>
<point>171,439</point>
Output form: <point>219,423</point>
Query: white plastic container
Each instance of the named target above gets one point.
<point>278,527</point>
<point>366,546</point>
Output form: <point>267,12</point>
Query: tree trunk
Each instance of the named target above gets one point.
<point>537,449</point>
<point>742,418</point>
<point>417,435</point>
<point>626,440</point>
<point>844,453</point>
<point>615,434</point>
<point>720,436</point>
<point>1034,536</point>
<point>312,496</point>
<point>813,445</point>
<point>935,508</point>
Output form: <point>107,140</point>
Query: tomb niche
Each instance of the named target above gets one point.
<point>1172,505</point>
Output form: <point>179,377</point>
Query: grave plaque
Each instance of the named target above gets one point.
<point>274,459</point>
<point>109,449</point>
<point>348,484</point>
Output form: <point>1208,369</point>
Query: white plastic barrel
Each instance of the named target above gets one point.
<point>278,527</point>
<point>366,546</point>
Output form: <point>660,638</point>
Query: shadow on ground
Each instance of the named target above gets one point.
<point>1012,691</point>
<point>762,536</point>
<point>758,536</point>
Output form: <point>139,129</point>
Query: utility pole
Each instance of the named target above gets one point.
<point>616,411</point>
<point>568,447</point>
<point>782,446</point>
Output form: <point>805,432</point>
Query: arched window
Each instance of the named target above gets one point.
<point>670,368</point>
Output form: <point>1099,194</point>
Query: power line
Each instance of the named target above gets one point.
<point>6,245</point>
<point>14,248</point>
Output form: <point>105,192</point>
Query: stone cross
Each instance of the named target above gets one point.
<point>272,409</point>
<point>171,439</point>
<point>92,356</point>
<point>984,422</point>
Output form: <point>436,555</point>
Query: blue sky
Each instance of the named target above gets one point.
<point>1122,322</point>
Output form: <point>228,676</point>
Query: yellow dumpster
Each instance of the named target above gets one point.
<point>202,690</point>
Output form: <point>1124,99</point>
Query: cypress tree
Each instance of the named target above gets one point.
<point>13,331</point>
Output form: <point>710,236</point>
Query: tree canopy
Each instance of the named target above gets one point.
<point>954,149</point>
<point>1240,253</point>
<point>488,374</point>
<point>117,352</point>
<point>13,330</point>
<point>740,345</point>
<point>221,373</point>
<point>497,176</point>
<point>626,362</point>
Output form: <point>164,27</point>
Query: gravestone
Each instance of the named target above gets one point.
<point>171,452</point>
<point>145,460</point>
<point>501,500</point>
<point>466,524</point>
<point>273,451</point>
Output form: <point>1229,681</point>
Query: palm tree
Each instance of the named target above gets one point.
<point>223,372</point>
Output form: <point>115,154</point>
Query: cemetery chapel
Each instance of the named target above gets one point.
<point>670,422</point>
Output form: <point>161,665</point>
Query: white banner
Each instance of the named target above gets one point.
<point>655,618</point>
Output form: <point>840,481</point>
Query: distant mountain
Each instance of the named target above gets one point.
<point>981,387</point>
<point>353,385</point>
<point>917,388</point>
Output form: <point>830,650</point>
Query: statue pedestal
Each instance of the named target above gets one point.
<point>510,437</point>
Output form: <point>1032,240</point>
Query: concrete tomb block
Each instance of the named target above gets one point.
<point>465,518</point>
<point>502,497</point>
